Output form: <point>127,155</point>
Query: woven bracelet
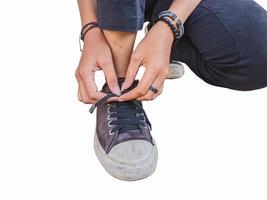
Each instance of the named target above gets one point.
<point>170,18</point>
<point>173,28</point>
<point>174,17</point>
<point>87,27</point>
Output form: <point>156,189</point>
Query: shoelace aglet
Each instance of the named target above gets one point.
<point>91,110</point>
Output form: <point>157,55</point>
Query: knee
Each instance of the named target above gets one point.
<point>248,85</point>
<point>238,78</point>
<point>246,81</point>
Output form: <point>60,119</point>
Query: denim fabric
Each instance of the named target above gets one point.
<point>121,15</point>
<point>225,41</point>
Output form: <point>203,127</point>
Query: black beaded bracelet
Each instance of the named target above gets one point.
<point>173,28</point>
<point>87,27</point>
<point>174,17</point>
<point>167,13</point>
<point>170,18</point>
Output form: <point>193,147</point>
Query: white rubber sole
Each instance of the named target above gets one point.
<point>176,70</point>
<point>127,171</point>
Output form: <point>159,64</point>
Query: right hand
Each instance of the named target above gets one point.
<point>96,56</point>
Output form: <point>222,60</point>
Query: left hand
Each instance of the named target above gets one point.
<point>154,54</point>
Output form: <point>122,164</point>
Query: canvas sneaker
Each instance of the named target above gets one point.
<point>123,143</point>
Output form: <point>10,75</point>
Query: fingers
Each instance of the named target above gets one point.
<point>143,86</point>
<point>79,95</point>
<point>158,84</point>
<point>132,70</point>
<point>150,95</point>
<point>82,93</point>
<point>88,92</point>
<point>153,76</point>
<point>111,77</point>
<point>113,99</point>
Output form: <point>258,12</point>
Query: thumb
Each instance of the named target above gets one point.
<point>132,70</point>
<point>111,77</point>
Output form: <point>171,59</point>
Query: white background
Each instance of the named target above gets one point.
<point>212,141</point>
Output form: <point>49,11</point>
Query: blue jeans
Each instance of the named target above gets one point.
<point>225,41</point>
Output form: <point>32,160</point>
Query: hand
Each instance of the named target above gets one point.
<point>96,55</point>
<point>154,54</point>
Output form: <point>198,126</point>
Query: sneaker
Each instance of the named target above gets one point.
<point>123,143</point>
<point>176,70</point>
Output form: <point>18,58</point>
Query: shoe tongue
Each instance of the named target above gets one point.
<point>106,89</point>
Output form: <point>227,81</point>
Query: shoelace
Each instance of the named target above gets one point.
<point>128,115</point>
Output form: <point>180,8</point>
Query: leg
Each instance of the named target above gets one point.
<point>123,142</point>
<point>225,44</point>
<point>120,20</point>
<point>121,44</point>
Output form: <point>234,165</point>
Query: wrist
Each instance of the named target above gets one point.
<point>92,34</point>
<point>88,30</point>
<point>180,15</point>
<point>166,32</point>
<point>173,22</point>
<point>91,18</point>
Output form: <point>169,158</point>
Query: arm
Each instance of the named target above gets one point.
<point>184,8</point>
<point>156,62</point>
<point>87,10</point>
<point>96,56</point>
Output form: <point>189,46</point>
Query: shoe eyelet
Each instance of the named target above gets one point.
<point>145,124</point>
<point>111,133</point>
<point>109,125</point>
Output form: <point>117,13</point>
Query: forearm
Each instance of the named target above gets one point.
<point>87,10</point>
<point>184,8</point>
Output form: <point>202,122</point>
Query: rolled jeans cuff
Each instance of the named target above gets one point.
<point>121,15</point>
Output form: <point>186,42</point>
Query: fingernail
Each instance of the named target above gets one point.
<point>117,90</point>
<point>123,86</point>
